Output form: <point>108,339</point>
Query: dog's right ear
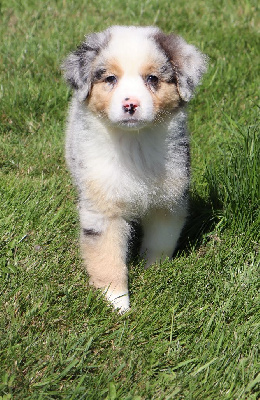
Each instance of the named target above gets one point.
<point>77,66</point>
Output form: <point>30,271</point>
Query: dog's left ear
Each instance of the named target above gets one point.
<point>78,65</point>
<point>189,64</point>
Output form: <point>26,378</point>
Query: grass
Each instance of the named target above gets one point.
<point>193,330</point>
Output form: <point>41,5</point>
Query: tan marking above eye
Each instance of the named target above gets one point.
<point>151,68</point>
<point>113,68</point>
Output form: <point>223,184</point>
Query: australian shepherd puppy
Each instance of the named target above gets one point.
<point>127,146</point>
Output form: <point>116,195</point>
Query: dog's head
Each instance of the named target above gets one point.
<point>134,75</point>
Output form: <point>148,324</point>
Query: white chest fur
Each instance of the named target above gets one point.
<point>139,168</point>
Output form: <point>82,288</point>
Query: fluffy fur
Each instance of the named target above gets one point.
<point>127,146</point>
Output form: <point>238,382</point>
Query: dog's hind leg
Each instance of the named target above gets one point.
<point>161,233</point>
<point>104,254</point>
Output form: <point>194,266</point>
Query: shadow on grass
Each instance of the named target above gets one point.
<point>203,217</point>
<point>233,192</point>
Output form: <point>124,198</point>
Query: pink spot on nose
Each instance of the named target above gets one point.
<point>130,104</point>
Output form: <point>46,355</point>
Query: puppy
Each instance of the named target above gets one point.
<point>127,146</point>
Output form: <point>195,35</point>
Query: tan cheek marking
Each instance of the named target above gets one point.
<point>166,97</point>
<point>99,98</point>
<point>101,93</point>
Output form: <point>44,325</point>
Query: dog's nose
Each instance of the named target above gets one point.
<point>130,104</point>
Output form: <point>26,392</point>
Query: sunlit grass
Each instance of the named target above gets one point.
<point>193,330</point>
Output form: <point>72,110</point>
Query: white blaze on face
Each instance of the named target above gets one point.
<point>134,89</point>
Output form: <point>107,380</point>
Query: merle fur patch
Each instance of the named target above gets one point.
<point>188,63</point>
<point>79,64</point>
<point>90,232</point>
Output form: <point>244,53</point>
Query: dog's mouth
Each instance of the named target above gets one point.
<point>132,123</point>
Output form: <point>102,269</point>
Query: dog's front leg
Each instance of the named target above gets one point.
<point>161,230</point>
<point>104,251</point>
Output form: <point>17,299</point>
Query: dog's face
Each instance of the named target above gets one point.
<point>134,82</point>
<point>134,76</point>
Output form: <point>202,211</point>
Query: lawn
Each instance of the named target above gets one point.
<point>193,329</point>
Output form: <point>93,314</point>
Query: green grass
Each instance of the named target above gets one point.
<point>193,330</point>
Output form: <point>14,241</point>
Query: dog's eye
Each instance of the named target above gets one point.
<point>152,80</point>
<point>111,79</point>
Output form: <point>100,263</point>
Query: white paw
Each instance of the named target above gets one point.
<point>120,301</point>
